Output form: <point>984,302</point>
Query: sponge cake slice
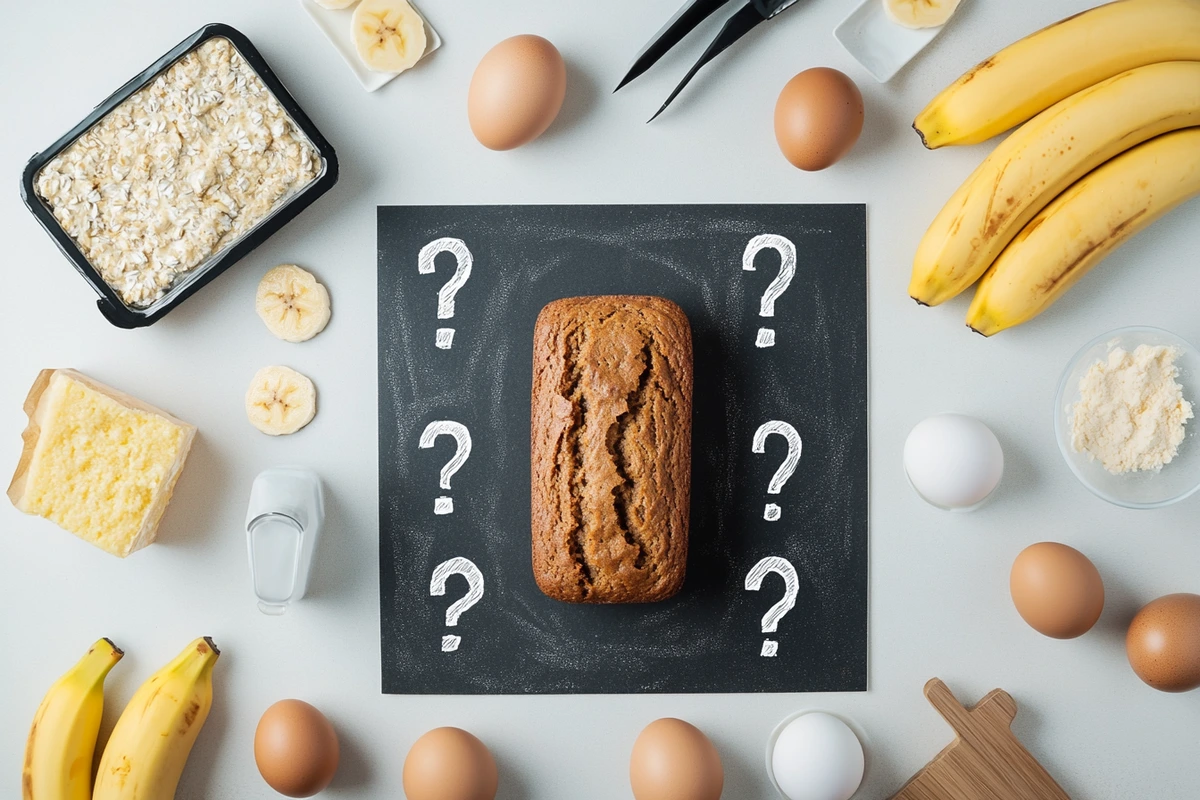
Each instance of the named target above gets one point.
<point>97,462</point>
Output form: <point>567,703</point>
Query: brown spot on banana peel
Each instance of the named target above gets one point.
<point>993,222</point>
<point>982,66</point>
<point>189,716</point>
<point>1114,237</point>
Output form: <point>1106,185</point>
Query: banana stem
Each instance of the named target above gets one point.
<point>101,658</point>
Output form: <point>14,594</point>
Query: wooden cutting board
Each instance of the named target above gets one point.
<point>985,761</point>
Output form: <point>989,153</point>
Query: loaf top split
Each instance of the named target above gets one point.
<point>611,448</point>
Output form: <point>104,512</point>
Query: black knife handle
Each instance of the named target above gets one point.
<point>769,8</point>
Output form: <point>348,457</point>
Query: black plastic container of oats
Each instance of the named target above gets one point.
<point>118,312</point>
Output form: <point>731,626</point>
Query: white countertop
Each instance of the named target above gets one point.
<point>939,600</point>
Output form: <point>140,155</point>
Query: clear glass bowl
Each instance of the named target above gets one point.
<point>1146,489</point>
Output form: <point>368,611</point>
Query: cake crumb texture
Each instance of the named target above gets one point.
<point>97,462</point>
<point>611,448</point>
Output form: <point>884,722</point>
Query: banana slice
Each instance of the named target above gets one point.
<point>920,13</point>
<point>388,34</point>
<point>280,401</point>
<point>294,306</point>
<point>335,4</point>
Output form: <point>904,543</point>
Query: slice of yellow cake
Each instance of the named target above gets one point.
<point>97,462</point>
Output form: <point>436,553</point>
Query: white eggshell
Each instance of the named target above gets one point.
<point>817,757</point>
<point>953,461</point>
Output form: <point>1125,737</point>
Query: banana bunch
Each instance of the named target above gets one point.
<point>1109,100</point>
<point>148,747</point>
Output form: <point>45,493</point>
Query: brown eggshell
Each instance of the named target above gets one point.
<point>516,92</point>
<point>450,764</point>
<point>1163,643</point>
<point>296,749</point>
<point>674,760</point>
<point>818,118</point>
<point>1056,589</point>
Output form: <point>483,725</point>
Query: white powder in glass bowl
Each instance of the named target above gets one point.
<point>1131,411</point>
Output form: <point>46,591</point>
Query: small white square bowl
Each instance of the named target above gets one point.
<point>878,43</point>
<point>335,24</point>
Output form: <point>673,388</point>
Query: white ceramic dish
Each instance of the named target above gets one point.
<point>880,45</point>
<point>335,24</point>
<point>1176,480</point>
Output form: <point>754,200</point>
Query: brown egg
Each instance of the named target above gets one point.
<point>1163,643</point>
<point>450,764</point>
<point>516,92</point>
<point>1056,589</point>
<point>818,117</point>
<point>296,749</point>
<point>674,760</point>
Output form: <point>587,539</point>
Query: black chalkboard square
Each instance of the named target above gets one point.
<point>775,598</point>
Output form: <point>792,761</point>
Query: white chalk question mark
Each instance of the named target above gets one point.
<point>437,588</point>
<point>791,587</point>
<point>772,512</point>
<point>444,337</point>
<point>787,271</point>
<point>462,451</point>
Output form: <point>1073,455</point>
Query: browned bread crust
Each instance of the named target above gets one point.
<point>611,439</point>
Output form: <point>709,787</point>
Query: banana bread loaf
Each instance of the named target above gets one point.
<point>611,427</point>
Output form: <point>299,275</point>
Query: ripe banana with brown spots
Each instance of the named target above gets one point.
<point>58,754</point>
<point>1082,226</point>
<point>150,744</point>
<point>1041,159</point>
<point>1036,72</point>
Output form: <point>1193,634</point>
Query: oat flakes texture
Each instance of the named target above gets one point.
<point>1131,411</point>
<point>178,171</point>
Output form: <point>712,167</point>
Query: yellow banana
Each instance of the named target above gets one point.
<point>1031,75</point>
<point>152,739</point>
<point>58,754</point>
<point>1040,159</point>
<point>1083,225</point>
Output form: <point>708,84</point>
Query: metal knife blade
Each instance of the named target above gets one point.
<point>684,22</point>
<point>741,23</point>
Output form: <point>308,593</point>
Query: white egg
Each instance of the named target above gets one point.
<point>953,461</point>
<point>817,757</point>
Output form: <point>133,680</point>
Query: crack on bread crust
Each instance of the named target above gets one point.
<point>619,443</point>
<point>571,443</point>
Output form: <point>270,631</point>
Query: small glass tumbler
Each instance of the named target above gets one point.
<point>283,524</point>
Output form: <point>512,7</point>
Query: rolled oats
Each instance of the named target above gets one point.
<point>176,172</point>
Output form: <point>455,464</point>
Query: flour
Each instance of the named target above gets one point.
<point>1131,412</point>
